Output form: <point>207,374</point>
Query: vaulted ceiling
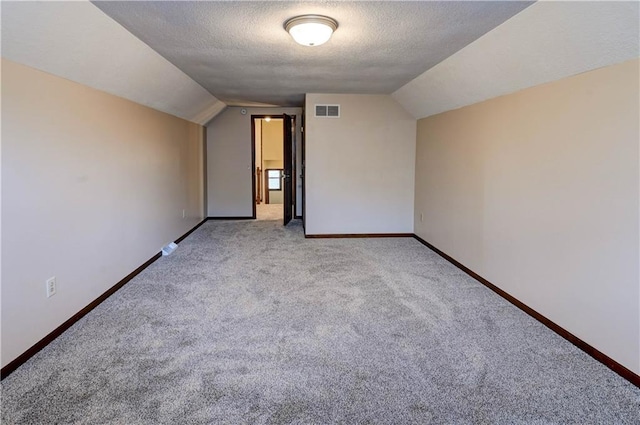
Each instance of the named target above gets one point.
<point>240,52</point>
<point>192,59</point>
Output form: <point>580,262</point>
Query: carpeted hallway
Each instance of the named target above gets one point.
<point>269,212</point>
<point>248,322</point>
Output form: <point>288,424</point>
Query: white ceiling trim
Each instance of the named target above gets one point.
<point>77,41</point>
<point>543,43</point>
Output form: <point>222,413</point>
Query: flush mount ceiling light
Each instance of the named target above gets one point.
<point>311,30</point>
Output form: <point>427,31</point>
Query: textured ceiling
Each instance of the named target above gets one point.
<point>242,55</point>
<point>76,41</point>
<point>546,42</point>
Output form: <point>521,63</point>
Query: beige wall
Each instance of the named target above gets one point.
<point>538,192</point>
<point>229,174</point>
<point>93,185</point>
<point>272,139</point>
<point>360,167</point>
<point>276,197</point>
<point>275,164</point>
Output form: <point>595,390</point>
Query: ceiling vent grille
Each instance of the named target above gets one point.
<point>328,111</point>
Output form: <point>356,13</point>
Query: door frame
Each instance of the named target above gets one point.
<point>294,159</point>
<point>279,116</point>
<point>288,155</point>
<point>303,176</point>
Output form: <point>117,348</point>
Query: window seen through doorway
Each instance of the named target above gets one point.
<point>274,181</point>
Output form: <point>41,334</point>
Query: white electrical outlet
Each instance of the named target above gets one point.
<point>184,213</point>
<point>421,217</point>
<point>51,286</point>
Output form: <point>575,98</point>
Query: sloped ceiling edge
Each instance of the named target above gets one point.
<point>77,41</point>
<point>545,42</point>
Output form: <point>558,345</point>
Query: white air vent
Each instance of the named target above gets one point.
<point>328,111</point>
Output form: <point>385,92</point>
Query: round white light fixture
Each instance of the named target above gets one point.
<point>311,30</point>
<point>267,119</point>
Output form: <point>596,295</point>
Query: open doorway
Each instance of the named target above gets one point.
<point>268,139</point>
<point>273,162</point>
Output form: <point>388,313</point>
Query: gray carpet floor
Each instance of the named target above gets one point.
<point>248,322</point>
